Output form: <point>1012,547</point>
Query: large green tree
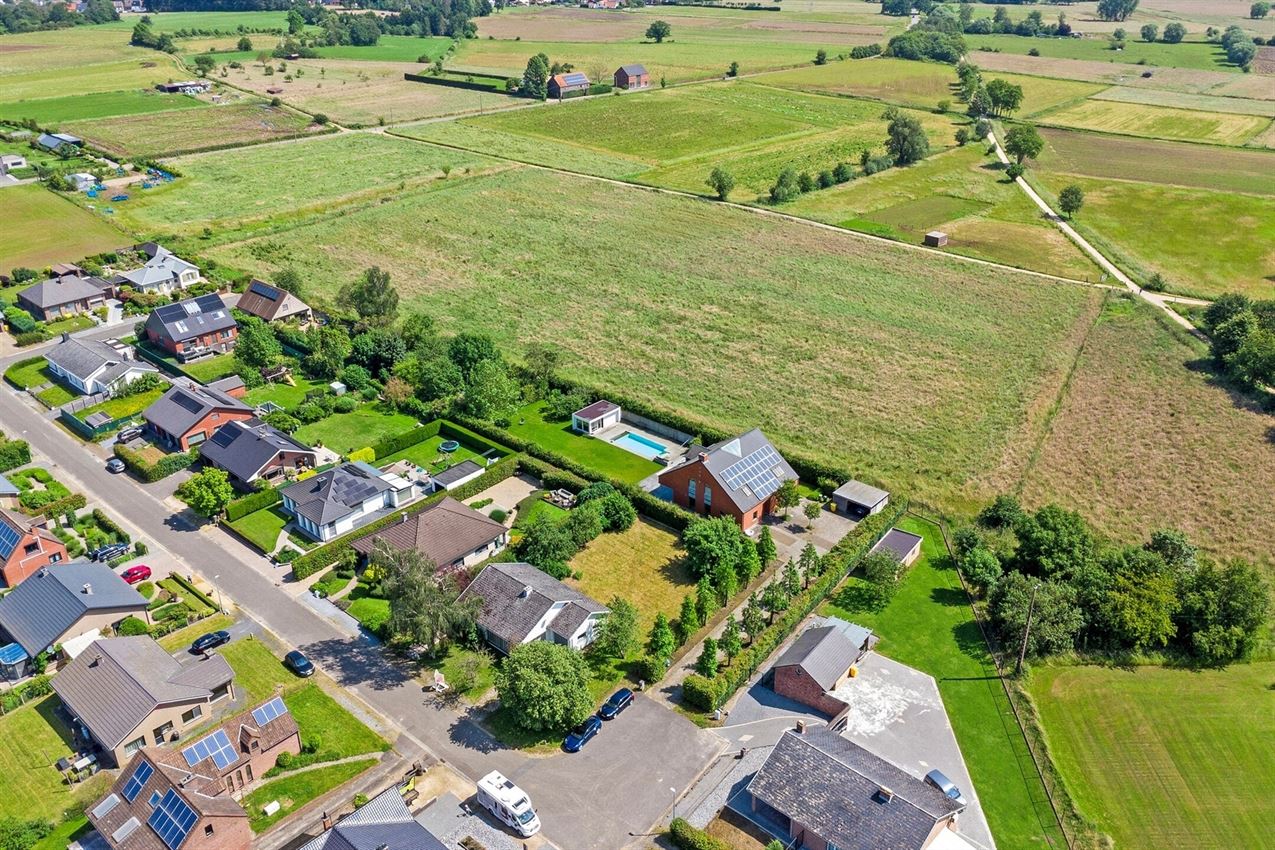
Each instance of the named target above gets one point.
<point>491,393</point>
<point>906,140</point>
<point>425,605</point>
<point>544,686</point>
<point>661,642</point>
<point>535,79</point>
<point>372,296</point>
<point>1023,142</point>
<point>619,633</point>
<point>207,493</point>
<point>1055,618</point>
<point>329,347</point>
<point>256,346</point>
<point>658,31</point>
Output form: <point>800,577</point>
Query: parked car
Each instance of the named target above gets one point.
<point>299,664</point>
<point>210,641</point>
<point>940,781</point>
<point>115,465</point>
<point>581,734</point>
<point>137,573</point>
<point>129,434</point>
<point>619,701</point>
<point>108,552</point>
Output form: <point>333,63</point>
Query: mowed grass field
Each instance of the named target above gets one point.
<point>1201,55</point>
<point>87,79</point>
<point>43,227</point>
<point>885,349</point>
<point>167,133</point>
<point>1182,100</point>
<point>645,565</point>
<point>1159,122</point>
<point>1165,758</point>
<point>54,110</point>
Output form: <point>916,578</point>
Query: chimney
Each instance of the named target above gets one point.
<point>526,591</point>
<point>703,455</point>
<point>88,589</point>
<point>801,727</point>
<point>402,517</point>
<point>185,780</point>
<point>327,821</point>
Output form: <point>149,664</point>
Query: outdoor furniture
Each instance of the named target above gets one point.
<point>562,498</point>
<point>440,682</point>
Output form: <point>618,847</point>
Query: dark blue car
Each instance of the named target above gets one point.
<point>581,734</point>
<point>210,641</point>
<point>299,664</point>
<point>619,701</point>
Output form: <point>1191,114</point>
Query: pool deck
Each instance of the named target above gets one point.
<point>675,451</point>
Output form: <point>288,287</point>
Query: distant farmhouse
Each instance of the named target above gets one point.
<point>56,141</point>
<point>632,77</point>
<point>562,85</point>
<point>185,87</point>
<point>273,304</point>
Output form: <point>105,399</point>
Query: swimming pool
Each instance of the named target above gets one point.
<point>639,445</point>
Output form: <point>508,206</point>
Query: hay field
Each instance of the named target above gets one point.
<point>88,79</point>
<point>1145,439</point>
<point>169,133</point>
<point>1196,55</point>
<point>945,337</point>
<point>53,110</point>
<point>1117,73</point>
<point>172,21</point>
<point>65,50</point>
<point>1158,122</point>
<point>1182,100</point>
<point>42,227</point>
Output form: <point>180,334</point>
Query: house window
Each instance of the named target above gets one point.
<point>161,733</point>
<point>248,770</point>
<point>690,491</point>
<point>708,497</point>
<point>192,715</point>
<point>133,746</point>
<point>32,548</point>
<point>154,799</point>
<point>221,693</point>
<point>55,557</point>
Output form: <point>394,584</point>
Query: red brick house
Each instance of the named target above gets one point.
<point>26,547</point>
<point>819,661</point>
<point>738,478</point>
<point>570,83</point>
<point>184,417</point>
<point>193,328</point>
<point>632,77</point>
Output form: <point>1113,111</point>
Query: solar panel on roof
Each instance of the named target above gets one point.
<point>264,291</point>
<point>756,471</point>
<point>192,307</point>
<point>172,820</point>
<point>225,435</point>
<point>216,746</point>
<point>9,537</point>
<point>135,782</point>
<point>264,714</point>
<point>186,401</point>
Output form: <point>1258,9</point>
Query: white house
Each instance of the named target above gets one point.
<point>90,366</point>
<point>341,499</point>
<point>11,162</point>
<point>597,417</point>
<point>82,180</point>
<point>162,273</point>
<point>521,604</point>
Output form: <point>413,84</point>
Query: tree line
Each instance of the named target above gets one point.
<point>26,16</point>
<point>1241,335</point>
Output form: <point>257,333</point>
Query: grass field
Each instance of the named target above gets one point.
<point>122,406</point>
<point>172,21</point>
<point>294,790</point>
<point>345,432</point>
<point>44,227</point>
<point>30,375</point>
<point>1188,80</point>
<point>320,715</point>
<point>1182,100</point>
<point>645,565</point>
<point>929,626</point>
<point>956,336</point>
<point>1158,122</point>
<point>611,461</point>
<point>1164,758</point>
<point>1199,55</point>
<point>32,738</point>
<point>54,110</point>
<point>78,80</point>
<point>262,528</point>
<point>284,395</point>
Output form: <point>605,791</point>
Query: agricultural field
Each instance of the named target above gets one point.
<point>88,79</point>
<point>1191,81</point>
<point>1180,100</point>
<point>44,227</point>
<point>1158,122</point>
<point>170,133</point>
<point>956,336</point>
<point>219,188</point>
<point>389,48</point>
<point>68,53</point>
<point>1187,773</point>
<point>476,135</point>
<point>172,21</point>
<point>1195,55</point>
<point>54,110</point>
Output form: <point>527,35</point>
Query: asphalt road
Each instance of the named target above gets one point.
<point>620,786</point>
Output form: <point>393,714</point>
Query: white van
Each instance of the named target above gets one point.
<point>508,803</point>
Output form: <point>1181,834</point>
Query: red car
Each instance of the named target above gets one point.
<point>133,575</point>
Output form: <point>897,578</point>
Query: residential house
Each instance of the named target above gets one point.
<point>821,791</point>
<point>26,545</point>
<point>92,366</point>
<point>273,304</point>
<point>11,162</point>
<point>903,546</point>
<point>193,328</point>
<point>563,85</point>
<point>250,450</point>
<point>596,417</point>
<point>384,821</point>
<point>449,534</point>
<point>66,295</point>
<point>186,416</point>
<point>340,499</point>
<point>738,477</point>
<point>56,141</point>
<point>632,77</point>
<point>521,603</point>
<point>818,662</point>
<point>65,605</point>
<point>126,693</point>
<point>856,499</point>
<point>245,746</point>
<point>163,272</point>
<point>82,181</point>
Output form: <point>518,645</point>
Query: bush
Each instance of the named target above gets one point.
<point>20,321</point>
<point>688,837</point>
<point>863,51</point>
<point>132,626</point>
<point>161,469</point>
<point>17,834</point>
<point>498,515</point>
<point>252,503</point>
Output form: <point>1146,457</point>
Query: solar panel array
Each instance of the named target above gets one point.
<point>264,291</point>
<point>172,820</point>
<point>9,537</point>
<point>135,782</point>
<point>756,472</point>
<point>264,714</point>
<point>216,746</point>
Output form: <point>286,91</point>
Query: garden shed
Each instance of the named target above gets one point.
<point>856,499</point>
<point>597,417</point>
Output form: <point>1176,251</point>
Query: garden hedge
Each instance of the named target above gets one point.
<point>73,502</point>
<point>252,503</point>
<point>107,524</point>
<point>14,453</point>
<point>161,469</point>
<point>687,837</point>
<point>398,442</point>
<point>708,694</point>
<point>194,591</point>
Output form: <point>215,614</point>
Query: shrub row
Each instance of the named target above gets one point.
<point>73,502</point>
<point>111,526</point>
<point>465,435</point>
<point>28,361</point>
<point>398,442</point>
<point>252,503</point>
<point>481,82</point>
<point>194,591</point>
<point>14,453</point>
<point>22,340</point>
<point>20,321</point>
<point>707,694</point>
<point>863,51</point>
<point>161,469</point>
<point>687,837</point>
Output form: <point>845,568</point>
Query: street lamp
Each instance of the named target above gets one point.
<point>221,609</point>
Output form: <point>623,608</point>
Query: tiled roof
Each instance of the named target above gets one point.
<point>756,459</point>
<point>330,495</point>
<point>270,302</point>
<point>244,447</point>
<point>181,408</point>
<point>444,532</point>
<point>191,318</point>
<point>66,289</point>
<point>517,596</point>
<point>44,606</point>
<point>383,822</point>
<point>824,652</point>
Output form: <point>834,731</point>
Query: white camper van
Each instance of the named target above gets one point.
<point>509,803</point>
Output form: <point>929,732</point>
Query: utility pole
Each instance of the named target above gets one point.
<point>1031,609</point>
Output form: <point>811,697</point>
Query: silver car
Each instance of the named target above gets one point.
<point>940,781</point>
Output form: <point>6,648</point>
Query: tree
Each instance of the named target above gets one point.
<point>283,421</point>
<point>256,346</point>
<point>706,601</point>
<point>546,544</point>
<point>204,64</point>
<point>980,103</point>
<point>467,350</point>
<point>733,70</point>
<point>897,8</point>
<point>1230,336</point>
<point>791,578</point>
<point>658,31</point>
<point>721,182</point>
<point>812,510</point>
<point>810,564</point>
<point>1054,542</point>
<point>436,378</point>
<point>731,642</point>
<point>425,604</point>
<point>754,619</point>
<point>1023,142</point>
<point>491,393</point>
<point>785,187</point>
<point>1224,611</point>
<point>1116,10</point>
<point>1223,308</point>
<point>372,297</point>
<point>296,23</point>
<point>1003,512</point>
<point>1005,97</point>
<point>1253,363</point>
<point>618,513</point>
<point>244,45</point>
<point>661,642</point>
<point>774,599</point>
<point>766,550</point>
<point>619,634</point>
<point>18,834</point>
<point>1071,199</point>
<point>544,686</point>
<point>290,280</point>
<point>906,140</point>
<point>1259,9</point>
<point>687,620</point>
<point>1139,604</point>
<point>716,549</point>
<point>541,362</point>
<point>1149,32</point>
<point>397,391</point>
<point>821,57</point>
<point>1056,619</point>
<point>962,135</point>
<point>981,567</point>
<point>535,79</point>
<point>207,493</point>
<point>329,347</point>
<point>787,497</point>
<point>706,664</point>
<point>1174,33</point>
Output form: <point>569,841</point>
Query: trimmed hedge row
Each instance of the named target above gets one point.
<point>688,837</point>
<point>194,591</point>
<point>397,442</point>
<point>328,554</point>
<point>14,453</point>
<point>708,694</point>
<point>459,432</point>
<point>493,84</point>
<point>161,469</point>
<point>27,361</point>
<point>73,502</point>
<point>252,503</point>
<point>107,524</point>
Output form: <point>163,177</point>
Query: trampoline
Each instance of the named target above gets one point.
<point>448,446</point>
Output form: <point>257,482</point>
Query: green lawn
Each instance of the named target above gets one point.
<point>51,110</point>
<point>368,610</point>
<point>346,432</point>
<point>258,673</point>
<point>607,459</point>
<point>284,395</point>
<point>56,395</point>
<point>536,506</point>
<point>1198,55</point>
<point>450,665</point>
<point>1165,758</point>
<point>63,834</point>
<point>30,375</point>
<point>426,454</point>
<point>122,407</point>
<point>645,565</point>
<point>45,227</point>
<point>929,626</point>
<point>32,738</point>
<point>295,790</point>
<point>174,641</point>
<point>70,324</point>
<point>262,527</point>
<point>210,369</point>
<point>320,715</point>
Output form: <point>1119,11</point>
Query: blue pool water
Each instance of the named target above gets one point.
<point>639,445</point>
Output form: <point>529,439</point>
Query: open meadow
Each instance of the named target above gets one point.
<point>43,227</point>
<point>1197,55</point>
<point>1192,81</point>
<point>1182,100</point>
<point>1159,122</point>
<point>88,79</point>
<point>54,110</point>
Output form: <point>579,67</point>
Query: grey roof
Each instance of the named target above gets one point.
<point>517,596</point>
<point>861,494</point>
<point>242,448</point>
<point>181,408</point>
<point>721,457</point>
<point>383,822</point>
<point>191,318</point>
<point>596,410</point>
<point>633,70</point>
<point>66,289</point>
<point>115,684</point>
<point>452,474</point>
<point>52,141</point>
<point>7,487</point>
<point>833,787</point>
<point>826,652</point>
<point>330,495</point>
<point>45,605</point>
<point>83,357</point>
<point>897,543</point>
<point>444,532</point>
<point>163,266</point>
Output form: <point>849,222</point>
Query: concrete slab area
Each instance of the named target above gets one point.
<point>506,494</point>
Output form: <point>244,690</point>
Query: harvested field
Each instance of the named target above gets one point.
<point>956,336</point>
<point>69,51</point>
<point>172,133</point>
<point>43,227</point>
<point>1168,163</point>
<point>1157,122</point>
<point>1265,139</point>
<point>1172,424</point>
<point>1182,100</point>
<point>54,110</point>
<point>1116,73</point>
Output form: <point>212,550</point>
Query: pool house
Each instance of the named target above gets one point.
<point>596,418</point>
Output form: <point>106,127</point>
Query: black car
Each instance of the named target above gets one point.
<point>299,664</point>
<point>108,552</point>
<point>210,641</point>
<point>582,734</point>
<point>619,701</point>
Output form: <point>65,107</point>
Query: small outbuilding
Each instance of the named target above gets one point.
<point>936,239</point>
<point>596,417</point>
<point>819,661</point>
<point>632,77</point>
<point>858,500</point>
<point>904,546</point>
<point>82,180</point>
